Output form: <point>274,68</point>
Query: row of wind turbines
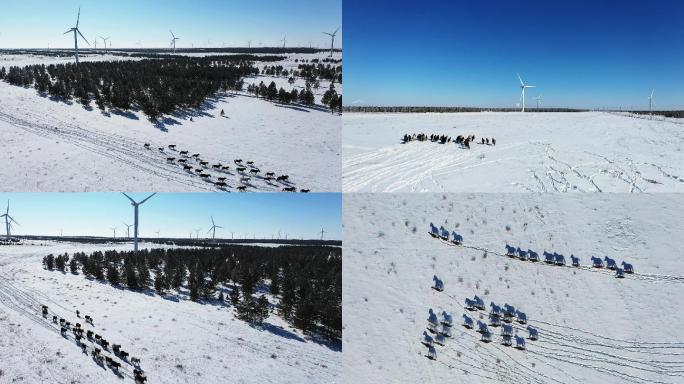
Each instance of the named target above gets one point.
<point>77,32</point>
<point>9,220</point>
<point>524,86</point>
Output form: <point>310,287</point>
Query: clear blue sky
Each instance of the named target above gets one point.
<point>35,23</point>
<point>579,53</point>
<point>176,214</point>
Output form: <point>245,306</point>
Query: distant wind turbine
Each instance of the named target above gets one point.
<point>77,33</point>
<point>197,231</point>
<point>213,228</point>
<point>522,88</point>
<point>249,43</point>
<point>113,229</point>
<point>135,222</point>
<point>332,38</point>
<point>8,221</point>
<point>173,41</point>
<point>539,99</point>
<point>322,233</point>
<point>128,230</point>
<point>650,103</point>
<point>104,40</point>
<point>284,41</point>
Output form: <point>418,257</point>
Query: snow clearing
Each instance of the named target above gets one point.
<point>54,145</point>
<point>468,302</point>
<point>168,339</point>
<point>533,152</point>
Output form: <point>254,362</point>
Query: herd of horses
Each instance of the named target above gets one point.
<point>98,344</point>
<point>246,169</point>
<point>439,328</point>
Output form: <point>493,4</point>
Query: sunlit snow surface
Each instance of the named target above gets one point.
<point>177,340</point>
<point>53,146</point>
<point>593,327</point>
<point>539,152</point>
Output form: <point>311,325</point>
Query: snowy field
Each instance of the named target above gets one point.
<point>534,152</point>
<point>593,327</point>
<point>177,341</point>
<point>53,146</point>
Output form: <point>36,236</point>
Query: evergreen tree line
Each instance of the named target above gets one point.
<point>306,96</point>
<point>408,109</point>
<point>157,87</point>
<point>306,281</point>
<point>673,114</point>
<point>309,72</point>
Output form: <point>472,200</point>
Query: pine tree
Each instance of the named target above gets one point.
<point>234,295</point>
<point>261,310</point>
<point>130,273</point>
<point>49,260</point>
<point>113,274</point>
<point>160,283</point>
<point>73,266</point>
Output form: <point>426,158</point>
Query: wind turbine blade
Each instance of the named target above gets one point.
<point>83,37</point>
<point>209,230</point>
<point>12,219</point>
<point>69,31</point>
<point>521,82</point>
<point>218,226</point>
<point>148,197</point>
<point>652,93</point>
<point>78,20</point>
<point>129,198</point>
<point>337,30</point>
<point>212,220</point>
<point>530,86</point>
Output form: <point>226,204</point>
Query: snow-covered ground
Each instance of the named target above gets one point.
<point>540,152</point>
<point>593,327</point>
<point>177,341</point>
<point>53,146</point>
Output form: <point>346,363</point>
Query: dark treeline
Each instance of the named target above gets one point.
<point>331,98</point>
<point>157,87</point>
<point>309,72</point>
<point>673,114</point>
<point>177,241</point>
<point>126,52</point>
<point>404,109</point>
<point>307,281</point>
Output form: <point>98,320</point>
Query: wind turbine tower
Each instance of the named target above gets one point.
<point>322,233</point>
<point>213,228</point>
<point>77,33</point>
<point>8,222</point>
<point>539,99</point>
<point>173,41</point>
<point>104,40</point>
<point>136,205</point>
<point>128,230</point>
<point>113,229</point>
<point>522,89</point>
<point>332,38</point>
<point>650,103</point>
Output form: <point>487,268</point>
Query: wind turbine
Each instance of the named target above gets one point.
<point>77,32</point>
<point>128,230</point>
<point>113,229</point>
<point>95,41</point>
<point>104,40</point>
<point>322,233</point>
<point>157,232</point>
<point>173,41</point>
<point>197,233</point>
<point>8,221</point>
<point>249,44</point>
<point>213,228</point>
<point>332,38</point>
<point>135,222</point>
<point>650,103</point>
<point>539,99</point>
<point>522,94</point>
<point>284,41</point>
